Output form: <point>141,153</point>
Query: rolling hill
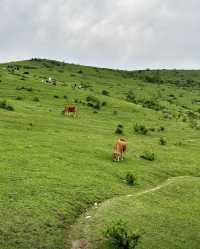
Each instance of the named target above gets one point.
<point>55,168</point>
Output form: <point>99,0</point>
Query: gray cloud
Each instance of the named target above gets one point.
<point>110,33</point>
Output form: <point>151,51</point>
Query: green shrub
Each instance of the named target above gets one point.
<point>115,112</point>
<point>198,110</point>
<point>19,98</point>
<point>194,124</point>
<point>36,99</point>
<point>162,141</point>
<point>105,92</point>
<point>93,102</point>
<point>91,98</point>
<point>152,105</point>
<point>97,105</point>
<point>29,89</point>
<point>153,78</point>
<point>140,129</point>
<point>130,179</point>
<point>4,105</point>
<point>10,108</point>
<point>80,71</point>
<point>119,130</point>
<point>120,237</point>
<point>131,97</point>
<point>104,103</point>
<point>161,129</point>
<point>150,156</point>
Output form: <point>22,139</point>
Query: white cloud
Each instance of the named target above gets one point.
<point>110,33</point>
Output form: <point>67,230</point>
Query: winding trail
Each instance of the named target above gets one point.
<point>106,203</point>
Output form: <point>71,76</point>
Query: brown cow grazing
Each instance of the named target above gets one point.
<point>119,149</point>
<point>70,111</point>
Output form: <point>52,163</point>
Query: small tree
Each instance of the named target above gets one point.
<point>130,179</point>
<point>120,237</point>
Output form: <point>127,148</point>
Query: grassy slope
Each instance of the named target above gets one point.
<point>53,168</point>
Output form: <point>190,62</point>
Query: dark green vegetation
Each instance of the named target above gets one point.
<point>119,237</point>
<point>54,167</point>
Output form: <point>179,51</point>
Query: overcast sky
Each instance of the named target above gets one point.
<point>108,33</point>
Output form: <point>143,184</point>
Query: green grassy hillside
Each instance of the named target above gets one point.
<point>54,168</point>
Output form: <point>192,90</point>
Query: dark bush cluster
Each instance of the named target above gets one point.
<point>105,92</point>
<point>36,59</point>
<point>131,97</point>
<point>153,78</point>
<point>119,129</point>
<point>29,89</point>
<point>13,67</point>
<point>36,99</point>
<point>119,236</point>
<point>4,105</point>
<point>194,124</point>
<point>94,102</point>
<point>161,129</point>
<point>162,141</point>
<point>130,179</point>
<point>80,71</point>
<point>143,130</point>
<point>19,98</point>
<point>151,104</point>
<point>104,103</point>
<point>140,129</point>
<point>192,115</point>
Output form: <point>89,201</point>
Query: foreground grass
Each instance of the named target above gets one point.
<point>165,217</point>
<point>53,168</point>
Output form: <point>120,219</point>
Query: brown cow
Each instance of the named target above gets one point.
<point>70,110</point>
<point>119,149</point>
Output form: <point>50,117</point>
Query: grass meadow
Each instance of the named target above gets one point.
<point>54,168</point>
